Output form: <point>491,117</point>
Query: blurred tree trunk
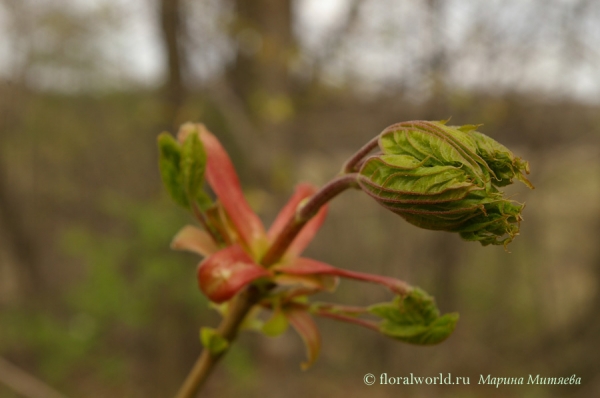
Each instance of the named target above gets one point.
<point>172,30</point>
<point>447,260</point>
<point>19,239</point>
<point>20,243</point>
<point>584,337</point>
<point>260,78</point>
<point>263,30</point>
<point>435,63</point>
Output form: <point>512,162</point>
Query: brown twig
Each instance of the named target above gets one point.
<point>25,384</point>
<point>351,164</point>
<point>228,329</point>
<point>304,214</point>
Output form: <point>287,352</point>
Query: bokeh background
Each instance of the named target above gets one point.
<point>94,304</point>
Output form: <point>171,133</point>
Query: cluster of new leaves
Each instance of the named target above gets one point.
<point>446,178</point>
<point>182,167</point>
<point>436,177</point>
<point>414,319</point>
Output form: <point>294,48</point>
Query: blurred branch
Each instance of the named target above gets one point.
<point>232,107</point>
<point>25,384</point>
<point>574,341</point>
<point>335,40</point>
<point>19,241</point>
<point>447,276</point>
<point>171,27</point>
<point>243,130</point>
<point>265,71</point>
<point>228,329</point>
<point>573,44</point>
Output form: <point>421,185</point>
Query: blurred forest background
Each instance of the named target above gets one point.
<point>94,303</point>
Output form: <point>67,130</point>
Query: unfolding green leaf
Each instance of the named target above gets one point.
<point>213,341</point>
<point>445,178</point>
<point>182,168</point>
<point>403,180</point>
<point>204,201</point>
<point>276,325</point>
<point>170,168</point>
<point>501,160</point>
<point>414,319</point>
<point>193,165</point>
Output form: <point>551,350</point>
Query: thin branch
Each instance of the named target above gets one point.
<point>228,329</point>
<point>345,318</point>
<point>339,308</point>
<point>21,242</point>
<point>25,384</point>
<point>202,219</point>
<point>172,29</point>
<point>340,313</point>
<point>351,164</point>
<point>339,37</point>
<point>243,131</point>
<point>304,214</point>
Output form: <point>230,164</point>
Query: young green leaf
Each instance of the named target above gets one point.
<point>204,200</point>
<point>501,160</point>
<point>276,325</point>
<point>169,163</point>
<point>414,319</point>
<point>213,341</point>
<point>193,165</point>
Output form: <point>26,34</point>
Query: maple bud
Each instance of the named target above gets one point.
<point>446,178</point>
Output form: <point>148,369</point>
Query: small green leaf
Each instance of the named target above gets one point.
<point>193,165</point>
<point>169,163</point>
<point>414,319</point>
<point>276,325</point>
<point>501,160</point>
<point>213,341</point>
<point>204,200</point>
<point>252,321</point>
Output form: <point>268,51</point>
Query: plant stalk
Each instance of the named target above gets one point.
<point>200,217</point>
<point>344,318</point>
<point>304,214</point>
<point>228,329</point>
<point>351,164</point>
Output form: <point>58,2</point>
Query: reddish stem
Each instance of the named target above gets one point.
<point>304,214</point>
<point>345,318</point>
<point>337,308</point>
<point>351,164</point>
<point>200,217</point>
